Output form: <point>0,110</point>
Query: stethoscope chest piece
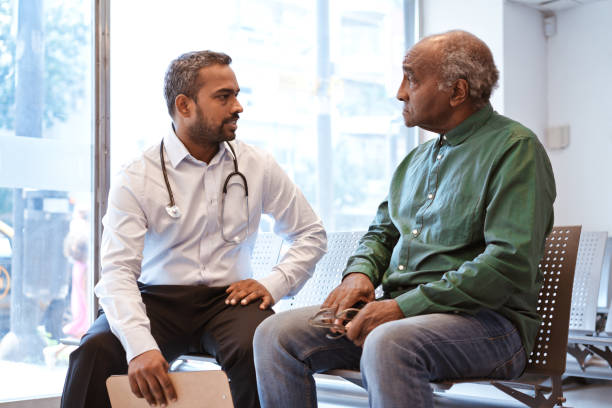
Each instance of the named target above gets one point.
<point>173,211</point>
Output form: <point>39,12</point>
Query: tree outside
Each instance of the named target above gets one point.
<point>66,40</point>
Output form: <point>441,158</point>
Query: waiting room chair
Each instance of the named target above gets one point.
<point>549,354</point>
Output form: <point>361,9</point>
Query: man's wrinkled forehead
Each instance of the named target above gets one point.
<point>421,56</point>
<point>413,61</point>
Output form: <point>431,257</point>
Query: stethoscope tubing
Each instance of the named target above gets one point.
<point>173,210</point>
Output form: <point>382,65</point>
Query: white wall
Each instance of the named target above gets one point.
<point>579,94</point>
<point>525,68</point>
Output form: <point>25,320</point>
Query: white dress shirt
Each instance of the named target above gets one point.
<point>141,242</point>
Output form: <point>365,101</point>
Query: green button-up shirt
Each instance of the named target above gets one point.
<point>464,224</point>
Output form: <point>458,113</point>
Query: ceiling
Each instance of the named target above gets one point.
<point>552,5</point>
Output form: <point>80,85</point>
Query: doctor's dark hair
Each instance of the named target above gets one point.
<point>465,56</point>
<point>182,74</point>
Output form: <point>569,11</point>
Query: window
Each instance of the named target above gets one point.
<point>45,190</point>
<point>318,82</point>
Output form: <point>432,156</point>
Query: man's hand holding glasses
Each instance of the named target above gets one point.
<point>338,314</point>
<point>327,317</point>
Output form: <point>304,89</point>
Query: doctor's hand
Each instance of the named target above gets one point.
<point>148,375</point>
<point>246,291</point>
<point>371,316</point>
<point>355,288</point>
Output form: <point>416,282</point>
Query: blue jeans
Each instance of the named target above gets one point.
<point>397,362</point>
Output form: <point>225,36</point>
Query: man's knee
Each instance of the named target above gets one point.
<point>284,327</point>
<point>268,331</point>
<point>100,347</point>
<point>390,343</point>
<point>376,345</point>
<point>264,331</point>
<point>284,332</point>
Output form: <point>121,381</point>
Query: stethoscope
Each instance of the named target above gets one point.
<point>173,210</point>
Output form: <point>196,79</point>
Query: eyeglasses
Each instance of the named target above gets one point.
<point>326,318</point>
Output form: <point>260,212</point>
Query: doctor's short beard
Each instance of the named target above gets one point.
<point>203,132</point>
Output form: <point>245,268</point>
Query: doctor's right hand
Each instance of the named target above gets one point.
<point>148,375</point>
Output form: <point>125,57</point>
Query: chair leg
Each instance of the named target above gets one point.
<point>606,353</point>
<point>579,354</point>
<point>539,400</point>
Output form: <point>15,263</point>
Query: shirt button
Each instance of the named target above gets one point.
<point>439,157</point>
<point>415,232</point>
<point>430,196</point>
<point>400,267</point>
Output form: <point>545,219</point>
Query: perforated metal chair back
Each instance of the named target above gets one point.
<point>587,277</point>
<point>554,301</point>
<point>265,253</point>
<point>328,273</point>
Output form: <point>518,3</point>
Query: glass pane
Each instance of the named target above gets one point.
<point>45,190</point>
<point>318,83</point>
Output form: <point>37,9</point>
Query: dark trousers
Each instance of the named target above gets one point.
<point>183,319</point>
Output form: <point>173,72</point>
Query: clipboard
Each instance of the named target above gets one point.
<point>208,389</point>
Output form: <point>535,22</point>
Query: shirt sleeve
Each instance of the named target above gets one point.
<point>125,226</point>
<point>373,254</point>
<point>297,223</point>
<point>519,215</point>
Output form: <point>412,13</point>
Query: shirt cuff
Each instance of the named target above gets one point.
<point>276,284</point>
<point>136,342</point>
<point>359,268</point>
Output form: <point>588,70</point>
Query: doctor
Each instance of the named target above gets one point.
<point>178,236</point>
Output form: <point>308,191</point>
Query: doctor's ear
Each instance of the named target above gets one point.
<point>182,105</point>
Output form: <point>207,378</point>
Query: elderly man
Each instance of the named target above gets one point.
<point>177,242</point>
<point>455,245</point>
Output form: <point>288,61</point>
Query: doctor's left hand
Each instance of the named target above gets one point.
<point>246,291</point>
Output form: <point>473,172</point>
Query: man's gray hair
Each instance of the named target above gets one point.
<point>182,74</point>
<point>465,56</point>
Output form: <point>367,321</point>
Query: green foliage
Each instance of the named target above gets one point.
<point>66,35</point>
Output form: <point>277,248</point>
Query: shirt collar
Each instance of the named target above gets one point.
<point>177,152</point>
<point>222,154</point>
<point>469,126</point>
